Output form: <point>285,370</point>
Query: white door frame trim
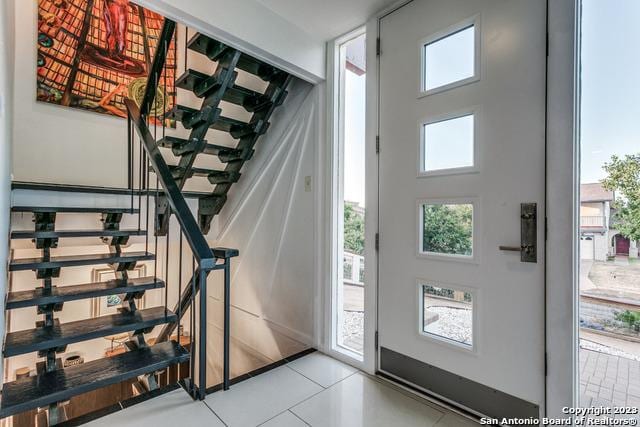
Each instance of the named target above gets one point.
<point>333,193</point>
<point>562,205</point>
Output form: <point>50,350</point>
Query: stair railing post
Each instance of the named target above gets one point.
<point>227,329</point>
<point>202,357</point>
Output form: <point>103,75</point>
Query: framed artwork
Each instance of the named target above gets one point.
<point>93,54</point>
<point>102,306</point>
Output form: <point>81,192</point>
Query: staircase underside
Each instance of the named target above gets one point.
<point>212,89</point>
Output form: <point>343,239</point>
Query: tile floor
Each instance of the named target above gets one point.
<point>315,390</point>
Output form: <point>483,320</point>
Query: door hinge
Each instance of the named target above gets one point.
<point>375,340</point>
<point>377,241</point>
<point>378,46</point>
<point>377,144</point>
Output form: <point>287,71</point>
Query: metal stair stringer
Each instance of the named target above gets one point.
<point>225,76</point>
<point>220,86</point>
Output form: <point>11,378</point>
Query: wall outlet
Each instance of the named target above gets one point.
<point>307,184</point>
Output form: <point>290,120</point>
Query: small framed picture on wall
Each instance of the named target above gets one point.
<point>102,306</point>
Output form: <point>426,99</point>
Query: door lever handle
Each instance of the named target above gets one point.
<point>510,248</point>
<point>524,248</point>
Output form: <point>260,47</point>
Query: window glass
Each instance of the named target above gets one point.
<point>450,59</point>
<point>447,229</point>
<point>447,313</point>
<point>449,144</point>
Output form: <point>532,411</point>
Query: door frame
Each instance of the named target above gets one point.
<point>562,168</point>
<point>333,193</point>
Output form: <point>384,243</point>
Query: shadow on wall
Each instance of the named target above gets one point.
<point>269,217</point>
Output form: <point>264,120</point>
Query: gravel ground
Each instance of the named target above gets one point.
<point>456,324</point>
<point>452,323</point>
<point>590,345</point>
<point>353,325</point>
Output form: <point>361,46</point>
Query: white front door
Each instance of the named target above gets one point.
<point>462,146</point>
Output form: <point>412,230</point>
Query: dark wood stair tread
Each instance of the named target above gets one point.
<point>60,294</point>
<point>71,209</point>
<point>190,79</point>
<point>196,81</point>
<point>181,146</point>
<point>180,112</point>
<point>38,391</point>
<point>61,234</point>
<point>21,264</point>
<point>190,117</point>
<point>214,49</point>
<point>214,176</point>
<point>61,334</point>
<point>174,142</point>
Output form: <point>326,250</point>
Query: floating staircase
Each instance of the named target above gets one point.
<point>212,89</point>
<point>49,338</point>
<point>53,384</point>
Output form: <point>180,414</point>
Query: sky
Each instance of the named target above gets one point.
<point>354,135</point>
<point>610,110</point>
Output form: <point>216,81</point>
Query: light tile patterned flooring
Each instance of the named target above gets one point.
<point>607,380</point>
<point>315,390</point>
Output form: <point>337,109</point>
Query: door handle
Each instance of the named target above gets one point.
<point>528,234</point>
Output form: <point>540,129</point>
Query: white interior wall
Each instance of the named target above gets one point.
<point>270,217</point>
<point>47,137</point>
<point>6,95</point>
<point>256,29</point>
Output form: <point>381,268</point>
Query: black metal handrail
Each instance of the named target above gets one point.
<point>160,58</point>
<point>207,259</point>
<point>199,246</point>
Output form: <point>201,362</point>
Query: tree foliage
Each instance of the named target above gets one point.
<point>353,231</point>
<point>623,176</point>
<point>448,229</point>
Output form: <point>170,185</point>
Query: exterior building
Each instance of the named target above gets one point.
<point>598,240</point>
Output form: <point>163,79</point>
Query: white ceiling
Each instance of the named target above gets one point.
<point>326,19</point>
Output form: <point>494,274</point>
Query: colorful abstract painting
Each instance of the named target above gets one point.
<point>92,54</point>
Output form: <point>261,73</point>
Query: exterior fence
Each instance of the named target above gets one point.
<point>593,221</point>
<point>353,269</point>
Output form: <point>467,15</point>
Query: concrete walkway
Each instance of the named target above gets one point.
<point>585,283</point>
<point>608,380</point>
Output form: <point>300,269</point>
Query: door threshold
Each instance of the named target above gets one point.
<point>430,397</point>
